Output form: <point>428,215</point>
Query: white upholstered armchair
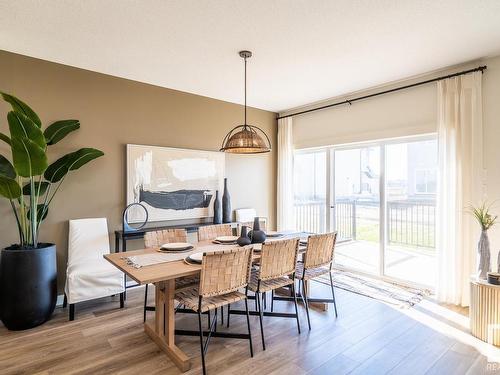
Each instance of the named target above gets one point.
<point>88,275</point>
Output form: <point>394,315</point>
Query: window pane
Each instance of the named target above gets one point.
<point>310,191</point>
<point>411,183</point>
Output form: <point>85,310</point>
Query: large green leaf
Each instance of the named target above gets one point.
<point>9,188</point>
<point>39,211</point>
<point>29,158</point>
<point>83,156</point>
<point>58,169</point>
<point>22,126</point>
<point>4,138</point>
<point>6,168</point>
<point>70,162</point>
<point>21,107</point>
<point>43,188</point>
<point>60,129</point>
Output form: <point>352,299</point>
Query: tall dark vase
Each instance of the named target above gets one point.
<point>258,236</point>
<point>226,205</point>
<point>28,286</point>
<point>217,209</point>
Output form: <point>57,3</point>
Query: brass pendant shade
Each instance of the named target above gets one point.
<point>246,139</point>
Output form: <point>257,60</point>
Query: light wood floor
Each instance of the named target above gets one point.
<point>369,337</point>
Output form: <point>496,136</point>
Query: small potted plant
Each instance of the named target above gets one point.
<point>28,272</point>
<point>486,220</point>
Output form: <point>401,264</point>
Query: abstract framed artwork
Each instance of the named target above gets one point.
<point>173,183</point>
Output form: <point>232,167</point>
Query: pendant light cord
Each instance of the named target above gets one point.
<point>245,91</point>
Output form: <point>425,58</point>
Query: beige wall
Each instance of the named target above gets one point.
<point>114,112</point>
<point>409,112</point>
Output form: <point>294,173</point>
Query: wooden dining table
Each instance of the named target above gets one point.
<point>163,276</point>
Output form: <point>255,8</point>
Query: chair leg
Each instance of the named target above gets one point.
<point>201,343</point>
<point>222,315</point>
<point>65,301</point>
<point>333,294</point>
<point>145,301</point>
<point>71,312</point>
<point>259,304</point>
<point>229,313</point>
<point>208,315</point>
<point>248,326</point>
<point>122,300</point>
<point>215,321</point>
<point>304,296</point>
<point>296,308</point>
<point>264,300</point>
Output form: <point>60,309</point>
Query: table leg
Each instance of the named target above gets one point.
<point>124,248</point>
<point>318,305</point>
<point>163,331</point>
<point>322,306</point>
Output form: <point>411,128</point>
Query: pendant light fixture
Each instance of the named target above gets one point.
<point>246,139</point>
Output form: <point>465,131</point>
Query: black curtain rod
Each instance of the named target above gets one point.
<point>350,101</point>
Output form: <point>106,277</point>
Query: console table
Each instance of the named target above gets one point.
<point>485,311</point>
<point>122,237</point>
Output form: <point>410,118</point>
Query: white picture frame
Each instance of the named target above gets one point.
<point>173,183</point>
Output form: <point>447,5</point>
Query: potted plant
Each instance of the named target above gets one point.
<point>486,220</point>
<point>28,271</point>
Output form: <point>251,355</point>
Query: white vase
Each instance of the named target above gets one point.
<point>483,250</point>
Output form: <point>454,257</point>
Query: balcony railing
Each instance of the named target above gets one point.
<point>310,216</point>
<point>409,222</point>
<point>412,223</point>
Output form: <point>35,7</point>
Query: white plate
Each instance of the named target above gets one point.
<point>273,233</point>
<point>176,246</point>
<point>226,238</point>
<point>197,257</point>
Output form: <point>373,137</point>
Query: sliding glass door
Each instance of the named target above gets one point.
<point>410,191</point>
<point>356,208</point>
<point>380,198</point>
<point>310,186</point>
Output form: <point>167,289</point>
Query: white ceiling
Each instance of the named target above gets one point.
<point>304,50</point>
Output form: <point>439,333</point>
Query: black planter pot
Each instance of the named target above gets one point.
<point>28,286</point>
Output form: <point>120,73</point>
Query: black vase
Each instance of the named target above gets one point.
<point>244,240</point>
<point>226,205</point>
<point>258,236</point>
<point>28,286</point>
<point>217,209</point>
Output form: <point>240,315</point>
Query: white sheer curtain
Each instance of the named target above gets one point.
<point>460,137</point>
<point>285,174</point>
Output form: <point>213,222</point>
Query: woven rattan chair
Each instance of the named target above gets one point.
<point>276,270</point>
<point>318,260</point>
<point>223,273</point>
<point>155,240</point>
<point>210,232</point>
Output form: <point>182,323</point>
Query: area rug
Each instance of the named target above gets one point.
<point>391,293</point>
